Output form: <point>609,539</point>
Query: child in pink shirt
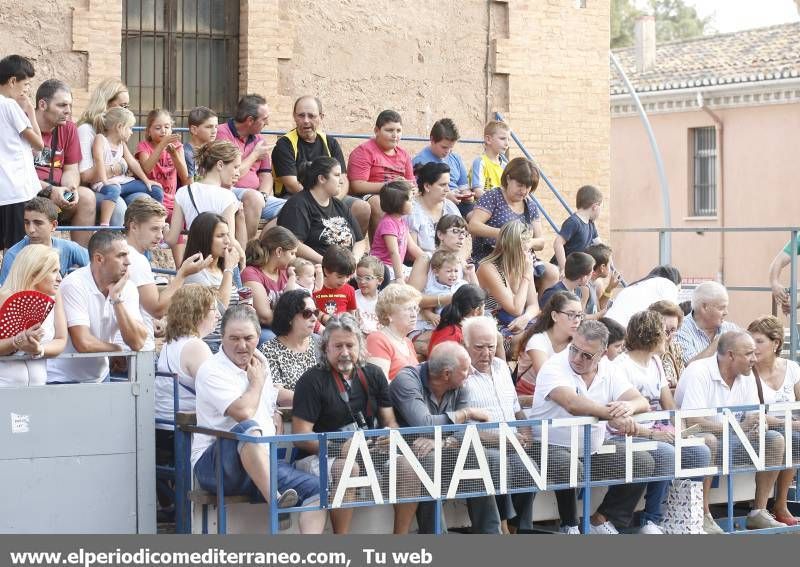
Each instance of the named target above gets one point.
<point>391,242</point>
<point>161,155</point>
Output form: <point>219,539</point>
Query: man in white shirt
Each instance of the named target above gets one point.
<point>235,393</point>
<point>726,380</point>
<point>577,382</point>
<point>145,220</point>
<point>102,310</point>
<point>489,387</point>
<point>702,328</point>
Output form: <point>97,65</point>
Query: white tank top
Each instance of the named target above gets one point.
<point>169,361</point>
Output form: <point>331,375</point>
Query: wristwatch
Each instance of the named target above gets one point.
<point>116,301</point>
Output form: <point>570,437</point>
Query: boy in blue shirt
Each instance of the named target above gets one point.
<point>578,231</point>
<point>41,220</point>
<point>444,136</point>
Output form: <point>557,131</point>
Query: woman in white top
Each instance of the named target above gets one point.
<point>645,341</point>
<point>780,382</point>
<point>219,163</point>
<point>550,334</point>
<point>36,268</point>
<point>433,180</point>
<point>109,93</point>
<point>210,235</point>
<point>191,316</point>
<point>663,282</point>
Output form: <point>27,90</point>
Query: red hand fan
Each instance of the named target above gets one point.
<point>23,310</point>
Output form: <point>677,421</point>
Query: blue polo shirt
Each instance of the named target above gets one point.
<point>458,171</point>
<point>70,254</point>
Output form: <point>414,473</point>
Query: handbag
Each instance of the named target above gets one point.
<point>683,508</point>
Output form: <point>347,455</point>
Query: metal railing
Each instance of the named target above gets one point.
<point>663,236</point>
<point>730,465</point>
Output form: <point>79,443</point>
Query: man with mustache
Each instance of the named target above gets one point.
<point>345,393</point>
<point>235,393</point>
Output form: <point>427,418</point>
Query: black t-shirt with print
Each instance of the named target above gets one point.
<point>319,227</point>
<point>317,399</point>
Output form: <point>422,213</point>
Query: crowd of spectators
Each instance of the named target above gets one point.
<point>382,291</point>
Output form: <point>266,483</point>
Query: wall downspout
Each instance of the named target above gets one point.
<point>721,153</point>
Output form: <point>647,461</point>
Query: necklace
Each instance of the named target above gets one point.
<point>397,338</point>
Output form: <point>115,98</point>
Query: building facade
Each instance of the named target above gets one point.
<point>542,63</point>
<point>725,111</point>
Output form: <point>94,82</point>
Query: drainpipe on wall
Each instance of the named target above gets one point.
<point>720,144</point>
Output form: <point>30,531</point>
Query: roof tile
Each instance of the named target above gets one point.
<point>745,56</point>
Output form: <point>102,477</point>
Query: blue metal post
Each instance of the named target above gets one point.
<point>730,489</point>
<point>274,524</point>
<point>587,476</point>
<point>793,298</point>
<point>221,519</point>
<point>183,479</point>
<point>437,520</point>
<point>323,470</point>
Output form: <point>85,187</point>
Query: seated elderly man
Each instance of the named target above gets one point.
<point>345,393</point>
<point>304,143</point>
<point>727,380</point>
<point>102,310</point>
<point>235,393</point>
<point>431,394</point>
<point>489,387</point>
<point>579,382</point>
<point>702,328</point>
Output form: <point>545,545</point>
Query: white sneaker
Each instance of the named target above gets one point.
<point>650,529</point>
<point>761,519</point>
<point>570,530</point>
<point>710,526</point>
<point>288,499</point>
<point>606,528</point>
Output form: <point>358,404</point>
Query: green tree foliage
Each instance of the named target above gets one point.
<point>674,20</point>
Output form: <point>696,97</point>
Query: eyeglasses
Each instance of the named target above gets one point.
<point>365,278</point>
<point>308,313</point>
<point>573,316</point>
<point>457,231</point>
<point>587,356</point>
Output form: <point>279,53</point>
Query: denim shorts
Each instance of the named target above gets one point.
<point>272,207</point>
<point>237,481</point>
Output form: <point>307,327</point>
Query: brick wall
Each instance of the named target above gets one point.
<point>543,63</point>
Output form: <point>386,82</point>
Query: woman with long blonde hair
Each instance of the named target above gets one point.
<point>109,93</point>
<point>35,268</point>
<point>507,276</point>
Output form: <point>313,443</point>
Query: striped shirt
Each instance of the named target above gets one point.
<point>693,340</point>
<point>493,392</point>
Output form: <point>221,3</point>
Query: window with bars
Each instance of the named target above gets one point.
<point>703,195</point>
<point>178,54</point>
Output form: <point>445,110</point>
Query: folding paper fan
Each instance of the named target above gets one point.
<point>23,310</point>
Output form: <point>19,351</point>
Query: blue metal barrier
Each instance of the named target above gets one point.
<point>586,484</point>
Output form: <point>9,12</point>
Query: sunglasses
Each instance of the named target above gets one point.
<point>308,313</point>
<point>587,356</point>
